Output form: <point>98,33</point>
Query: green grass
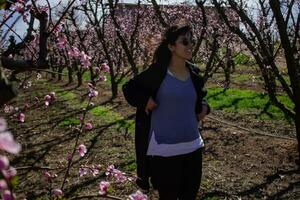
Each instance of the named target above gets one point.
<point>247,102</point>
<point>87,77</point>
<point>67,95</point>
<point>70,122</point>
<point>109,116</point>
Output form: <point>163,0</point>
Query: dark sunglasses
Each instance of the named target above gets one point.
<point>186,41</point>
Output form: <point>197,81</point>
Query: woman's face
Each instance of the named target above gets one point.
<point>183,47</point>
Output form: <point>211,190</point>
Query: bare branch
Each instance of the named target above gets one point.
<point>159,14</point>
<point>61,18</point>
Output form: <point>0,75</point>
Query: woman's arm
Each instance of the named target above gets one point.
<point>134,94</point>
<point>135,90</point>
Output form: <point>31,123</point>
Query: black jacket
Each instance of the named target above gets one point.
<point>137,92</point>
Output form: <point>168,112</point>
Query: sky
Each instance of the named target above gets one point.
<point>21,27</point>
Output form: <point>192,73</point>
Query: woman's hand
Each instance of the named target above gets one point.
<point>203,113</point>
<point>150,105</point>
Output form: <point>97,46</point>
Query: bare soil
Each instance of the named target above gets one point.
<point>237,164</point>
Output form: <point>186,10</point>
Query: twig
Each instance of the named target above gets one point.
<point>75,146</point>
<point>249,130</point>
<point>96,195</point>
<point>36,168</point>
<point>21,40</point>
<point>64,13</point>
<point>7,18</point>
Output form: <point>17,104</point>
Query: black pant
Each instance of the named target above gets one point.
<point>177,177</point>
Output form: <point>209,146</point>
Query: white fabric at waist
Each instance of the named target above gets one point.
<point>167,150</point>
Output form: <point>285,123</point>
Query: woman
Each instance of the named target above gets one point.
<point>169,100</point>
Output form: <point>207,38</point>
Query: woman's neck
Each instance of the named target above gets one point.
<point>178,69</point>
<point>177,65</point>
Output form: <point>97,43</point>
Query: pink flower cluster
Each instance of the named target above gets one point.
<point>57,192</point>
<point>49,98</point>
<point>138,196</point>
<point>84,170</point>
<point>103,187</point>
<point>61,42</point>
<point>119,176</point>
<point>92,91</point>
<point>8,144</point>
<point>88,126</point>
<point>8,108</point>
<point>49,176</point>
<point>82,150</point>
<point>82,56</point>
<point>105,67</point>
<point>21,117</point>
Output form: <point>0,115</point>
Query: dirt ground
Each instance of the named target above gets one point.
<point>238,164</point>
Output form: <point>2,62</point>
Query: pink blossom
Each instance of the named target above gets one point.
<point>47,97</point>
<point>25,17</point>
<point>109,169</point>
<point>19,8</point>
<point>105,67</point>
<point>61,42</point>
<point>8,109</point>
<point>47,175</point>
<point>88,126</point>
<point>74,52</point>
<point>117,174</point>
<point>57,192</point>
<point>85,60</point>
<point>97,69</point>
<point>91,86</point>
<point>83,171</point>
<point>102,78</point>
<point>138,196</point>
<point>9,173</point>
<point>57,29</point>
<point>4,162</point>
<point>82,150</point>
<point>81,119</point>
<point>53,96</point>
<point>69,157</point>
<point>21,117</point>
<point>8,144</point>
<point>38,76</point>
<point>3,125</point>
<point>6,195</point>
<point>3,185</point>
<point>95,170</point>
<point>93,93</point>
<point>103,187</point>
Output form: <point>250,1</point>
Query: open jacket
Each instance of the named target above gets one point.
<point>137,92</point>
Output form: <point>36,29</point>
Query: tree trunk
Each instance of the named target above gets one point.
<point>114,88</point>
<point>79,79</point>
<point>297,124</point>
<point>8,91</point>
<point>70,75</point>
<point>60,70</point>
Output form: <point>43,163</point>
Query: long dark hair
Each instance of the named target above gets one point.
<point>162,54</point>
